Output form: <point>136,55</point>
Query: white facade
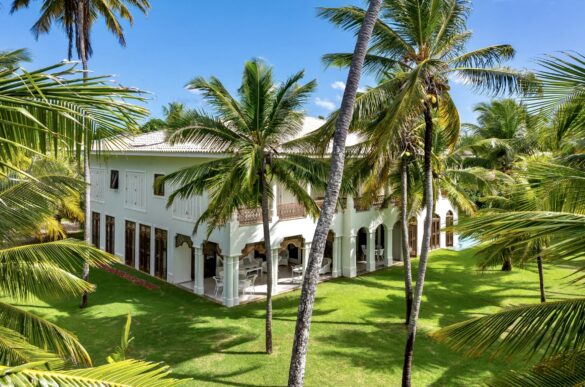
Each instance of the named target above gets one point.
<point>135,201</point>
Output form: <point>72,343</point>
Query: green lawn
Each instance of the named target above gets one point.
<point>357,335</point>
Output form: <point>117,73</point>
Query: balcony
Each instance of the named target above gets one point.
<point>341,203</point>
<point>291,211</point>
<point>361,204</point>
<point>249,216</point>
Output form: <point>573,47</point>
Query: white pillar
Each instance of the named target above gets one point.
<point>388,260</point>
<point>348,264</point>
<point>275,257</point>
<point>371,258</point>
<point>336,265</point>
<point>199,280</point>
<point>228,281</point>
<point>236,279</point>
<point>306,253</point>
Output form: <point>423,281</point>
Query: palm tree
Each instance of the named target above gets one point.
<point>423,43</point>
<point>253,131</point>
<point>553,331</point>
<point>176,115</point>
<point>77,17</point>
<point>309,288</point>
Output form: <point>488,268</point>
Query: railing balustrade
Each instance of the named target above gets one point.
<point>291,211</point>
<point>248,216</point>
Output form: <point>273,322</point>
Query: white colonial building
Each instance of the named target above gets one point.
<point>130,219</point>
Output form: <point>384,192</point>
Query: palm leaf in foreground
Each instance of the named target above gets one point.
<point>124,373</point>
<point>15,349</point>
<point>547,329</point>
<point>555,372</point>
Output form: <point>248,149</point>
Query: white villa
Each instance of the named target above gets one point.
<point>131,221</point>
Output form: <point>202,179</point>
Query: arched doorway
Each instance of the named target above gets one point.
<point>449,233</point>
<point>293,247</point>
<point>210,253</point>
<point>329,245</point>
<point>413,237</point>
<point>436,232</point>
<point>361,249</point>
<point>380,245</point>
<point>397,241</point>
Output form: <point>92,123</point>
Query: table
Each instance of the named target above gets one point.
<point>297,273</point>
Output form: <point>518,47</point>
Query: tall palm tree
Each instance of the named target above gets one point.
<point>423,41</point>
<point>309,288</point>
<point>77,17</point>
<point>553,331</point>
<point>252,130</point>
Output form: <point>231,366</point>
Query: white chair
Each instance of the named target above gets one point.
<point>248,282</point>
<point>325,266</point>
<point>249,261</point>
<point>380,255</point>
<point>283,258</point>
<point>218,285</point>
<point>218,265</point>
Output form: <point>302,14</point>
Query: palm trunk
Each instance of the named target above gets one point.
<point>541,279</point>
<point>266,227</point>
<point>307,299</point>
<point>82,51</point>
<point>405,241</point>
<point>424,254</point>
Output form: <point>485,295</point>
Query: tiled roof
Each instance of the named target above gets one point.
<point>155,142</point>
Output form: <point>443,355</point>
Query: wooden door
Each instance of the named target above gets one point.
<point>144,249</point>
<point>110,233</point>
<point>130,243</point>
<point>436,232</point>
<point>160,253</point>
<point>449,234</point>
<point>413,237</point>
<point>95,229</point>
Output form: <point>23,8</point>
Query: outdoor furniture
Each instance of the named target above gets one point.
<point>219,265</point>
<point>297,273</point>
<point>283,258</point>
<point>325,266</point>
<point>379,254</point>
<point>218,284</point>
<point>250,261</point>
<point>249,281</point>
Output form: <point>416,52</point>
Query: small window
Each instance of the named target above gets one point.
<point>159,188</point>
<point>114,179</point>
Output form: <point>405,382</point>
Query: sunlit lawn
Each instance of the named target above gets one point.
<point>357,335</point>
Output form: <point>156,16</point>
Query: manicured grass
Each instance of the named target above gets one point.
<point>357,336</point>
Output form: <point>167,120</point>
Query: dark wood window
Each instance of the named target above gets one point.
<point>449,233</point>
<point>110,233</point>
<point>159,189</point>
<point>130,249</point>
<point>436,232</point>
<point>114,179</point>
<point>144,249</point>
<point>160,253</point>
<point>95,229</point>
<point>412,236</point>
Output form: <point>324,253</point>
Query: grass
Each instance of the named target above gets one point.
<point>357,336</point>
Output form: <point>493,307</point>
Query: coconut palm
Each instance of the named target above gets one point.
<point>553,331</point>
<point>77,17</point>
<point>334,181</point>
<point>252,130</point>
<point>424,43</point>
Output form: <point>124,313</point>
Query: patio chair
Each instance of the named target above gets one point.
<point>218,265</point>
<point>380,255</point>
<point>250,261</point>
<point>364,252</point>
<point>283,258</point>
<point>249,281</point>
<point>325,266</point>
<point>218,285</point>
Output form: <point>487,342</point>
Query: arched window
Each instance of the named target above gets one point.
<point>436,232</point>
<point>449,233</point>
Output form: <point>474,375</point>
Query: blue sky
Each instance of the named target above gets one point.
<point>181,39</point>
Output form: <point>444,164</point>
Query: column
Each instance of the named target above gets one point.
<point>371,258</point>
<point>199,280</point>
<point>388,260</point>
<point>336,265</point>
<point>348,246</point>
<point>236,279</point>
<point>228,281</point>
<point>275,257</point>
<point>306,253</point>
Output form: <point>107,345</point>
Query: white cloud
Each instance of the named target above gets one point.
<point>361,89</point>
<point>338,85</point>
<point>325,104</point>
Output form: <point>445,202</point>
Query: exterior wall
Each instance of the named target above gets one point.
<point>233,237</point>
